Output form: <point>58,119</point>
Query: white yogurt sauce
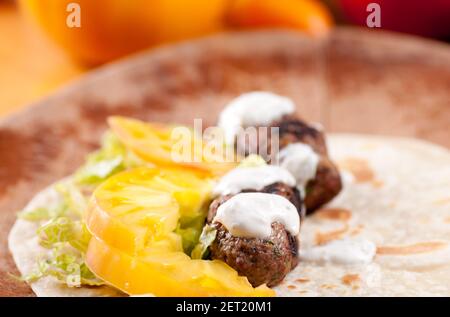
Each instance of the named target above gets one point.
<point>345,251</point>
<point>301,160</point>
<point>257,108</point>
<point>251,215</point>
<point>256,178</point>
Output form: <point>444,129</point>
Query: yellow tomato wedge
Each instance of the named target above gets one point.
<point>158,144</point>
<point>167,273</point>
<point>133,208</point>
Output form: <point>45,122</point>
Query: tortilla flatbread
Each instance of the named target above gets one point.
<point>396,196</point>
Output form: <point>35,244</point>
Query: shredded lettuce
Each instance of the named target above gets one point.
<point>39,214</point>
<point>72,204</point>
<point>67,266</point>
<point>207,237</point>
<point>74,201</point>
<point>64,230</point>
<point>190,229</point>
<point>112,158</point>
<point>64,234</point>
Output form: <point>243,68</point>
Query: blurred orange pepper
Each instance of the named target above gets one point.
<point>113,28</point>
<point>308,15</point>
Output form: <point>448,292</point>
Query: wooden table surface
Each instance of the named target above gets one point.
<point>30,65</point>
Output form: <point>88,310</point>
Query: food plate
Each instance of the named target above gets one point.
<point>355,81</point>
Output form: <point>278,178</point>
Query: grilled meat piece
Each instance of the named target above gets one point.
<point>260,260</point>
<point>293,129</point>
<point>324,187</point>
<point>327,182</point>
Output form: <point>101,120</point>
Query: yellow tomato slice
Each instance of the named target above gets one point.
<point>162,272</point>
<point>133,216</point>
<point>159,144</point>
<point>133,208</point>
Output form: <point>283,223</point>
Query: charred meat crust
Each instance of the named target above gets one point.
<point>293,129</point>
<point>324,187</point>
<point>260,260</point>
<point>327,182</point>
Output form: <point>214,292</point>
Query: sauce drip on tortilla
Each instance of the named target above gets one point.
<point>350,279</point>
<point>360,169</point>
<point>417,248</point>
<point>325,237</point>
<point>334,214</point>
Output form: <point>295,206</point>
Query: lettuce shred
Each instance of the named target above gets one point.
<point>64,234</point>
<point>190,230</point>
<point>67,266</point>
<point>207,237</point>
<point>112,158</point>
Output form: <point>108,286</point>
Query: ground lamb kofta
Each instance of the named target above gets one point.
<point>302,146</point>
<point>326,182</point>
<point>264,259</point>
<point>261,258</point>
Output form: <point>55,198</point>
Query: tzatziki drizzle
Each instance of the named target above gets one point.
<point>301,161</point>
<point>253,109</point>
<point>255,178</point>
<point>251,215</point>
<point>346,252</point>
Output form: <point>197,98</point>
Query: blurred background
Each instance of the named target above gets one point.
<point>39,52</point>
